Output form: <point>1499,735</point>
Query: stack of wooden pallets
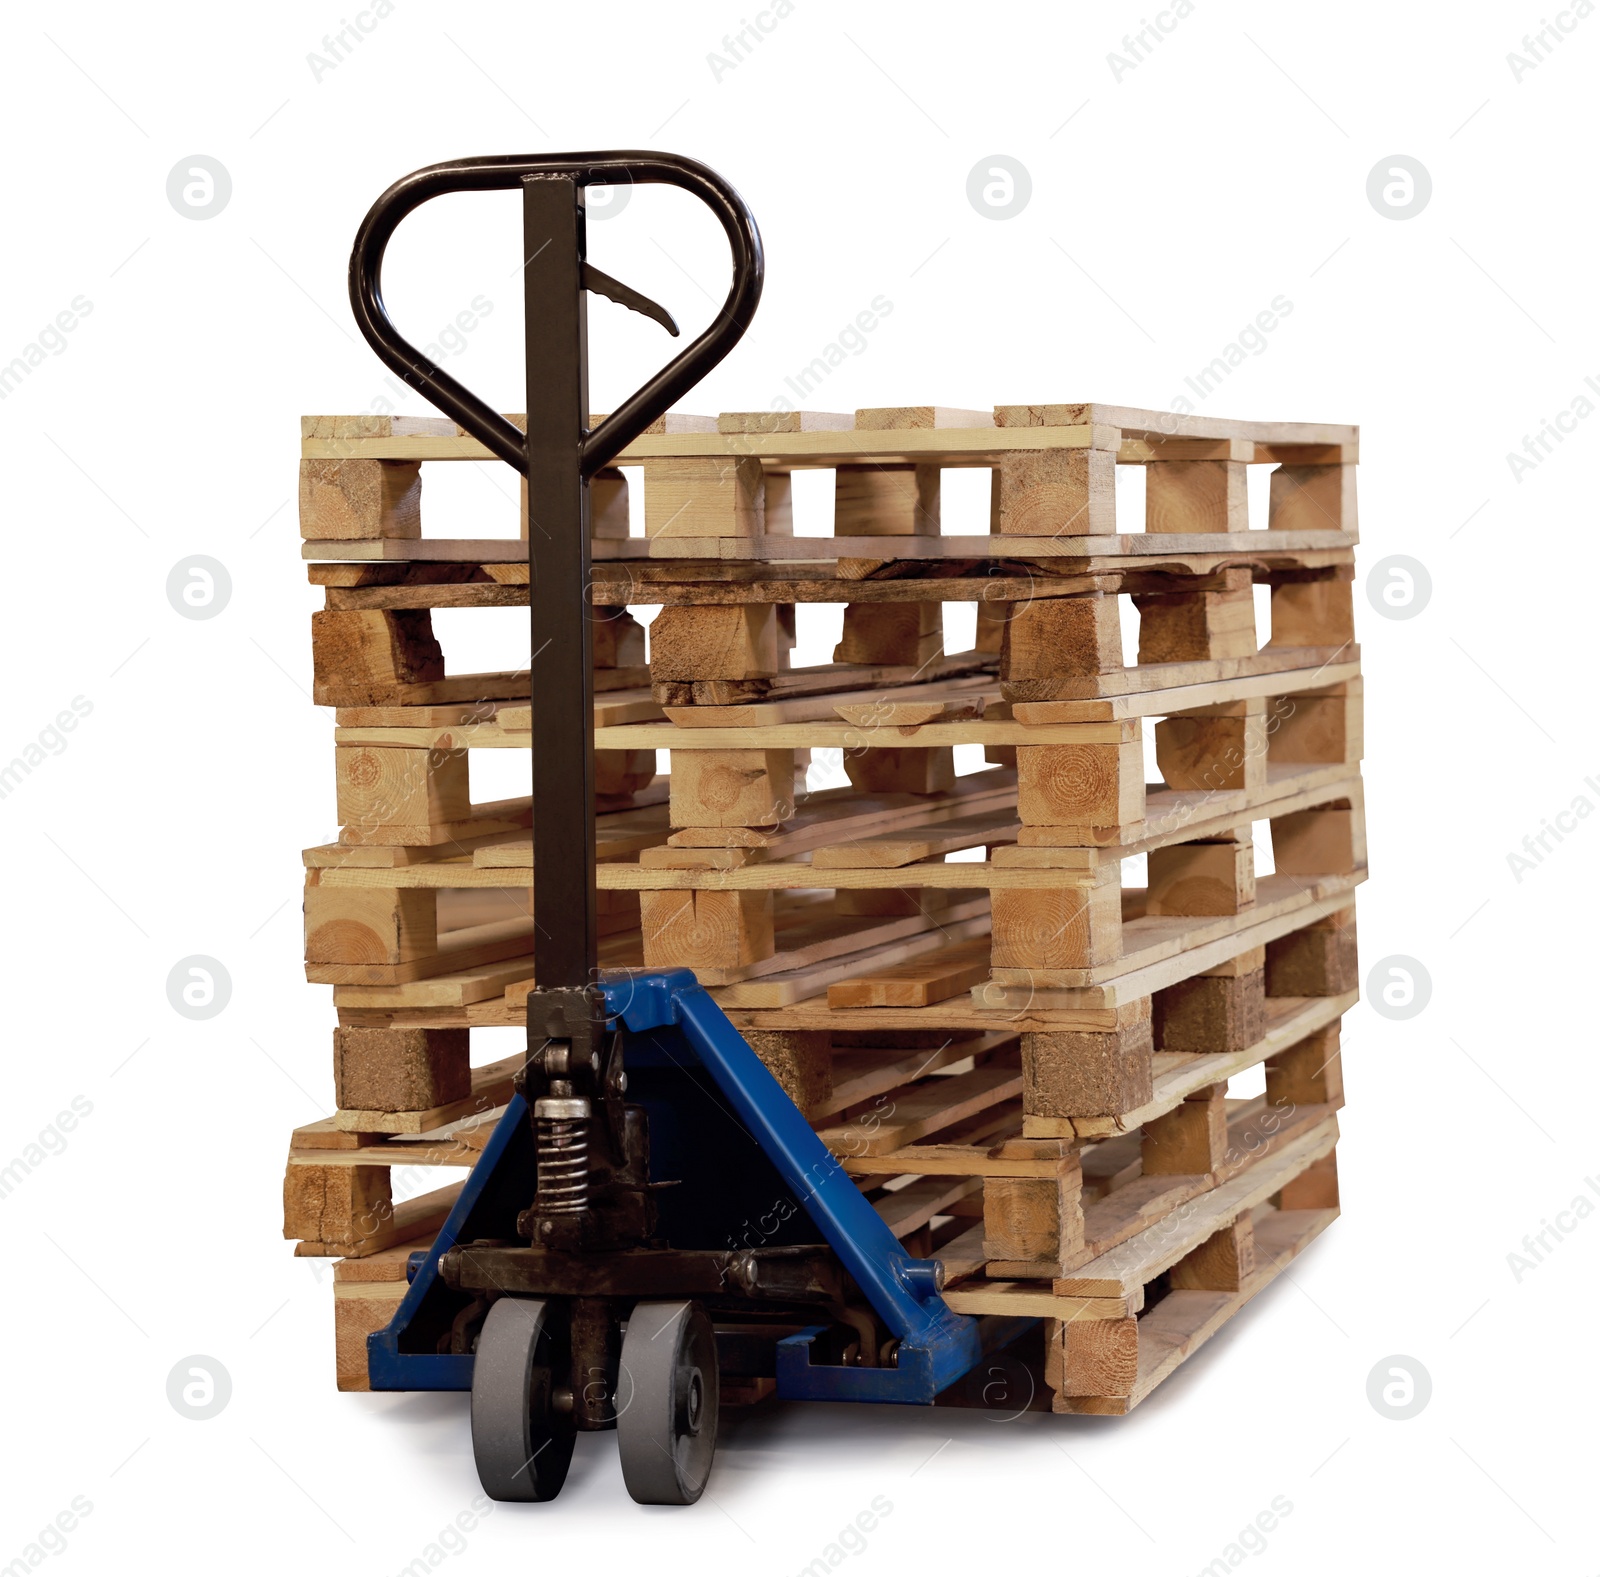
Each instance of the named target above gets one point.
<point>1022,1058</point>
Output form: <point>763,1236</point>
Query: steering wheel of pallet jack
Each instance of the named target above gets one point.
<point>521,1441</point>
<point>667,1420</point>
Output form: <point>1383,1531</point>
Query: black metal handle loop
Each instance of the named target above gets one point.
<point>642,407</point>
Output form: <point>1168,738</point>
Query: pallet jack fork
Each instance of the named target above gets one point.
<point>600,1269</point>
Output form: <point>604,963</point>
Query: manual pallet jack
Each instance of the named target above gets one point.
<point>599,1269</point>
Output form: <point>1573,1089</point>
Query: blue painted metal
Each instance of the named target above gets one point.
<point>390,1369</point>
<point>936,1345</point>
<point>920,1372</point>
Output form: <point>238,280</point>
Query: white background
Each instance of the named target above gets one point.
<point>1168,208</point>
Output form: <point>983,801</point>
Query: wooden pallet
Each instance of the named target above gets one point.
<point>720,491</point>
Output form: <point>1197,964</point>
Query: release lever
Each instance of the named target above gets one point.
<point>625,296</point>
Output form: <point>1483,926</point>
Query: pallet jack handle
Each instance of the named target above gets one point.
<point>580,170</point>
<point>558,455</point>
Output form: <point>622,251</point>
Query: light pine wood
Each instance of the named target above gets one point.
<point>1063,927</point>
<point>368,926</point>
<point>1062,637</point>
<point>1139,1259</point>
<point>1288,1020</point>
<point>906,1209</point>
<point>1185,1320</point>
<point>1202,878</point>
<point>368,658</point>
<point>400,796</point>
<point>792,436</point>
<point>713,497</point>
<point>1223,1263</point>
<point>738,641</point>
<point>336,1204</point>
<point>1195,496</point>
<point>935,977</point>
<point>1092,786</point>
<point>891,850</point>
<point>925,1108</point>
<point>782,548</point>
<point>889,418</point>
<point>1203,625</point>
<point>1315,1189</point>
<point>1283,904</point>
<point>1315,612</point>
<point>890,501</point>
<point>1191,1138</point>
<point>348,500</point>
<point>1326,838</point>
<point>859,1074</point>
<point>732,788</point>
<point>813,958</point>
<point>1055,491</point>
<point>1034,1226</point>
<point>384,1226</point>
<point>1274,674</point>
<point>768,422</point>
<point>359,1309</point>
<point>899,633</point>
<point>1214,748</point>
<point>892,770</point>
<point>1313,497</point>
<point>1093,1357</point>
<point>1308,1073</point>
<point>1317,726</point>
<point>706,930</point>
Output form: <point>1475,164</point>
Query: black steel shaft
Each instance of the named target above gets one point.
<point>561,664</point>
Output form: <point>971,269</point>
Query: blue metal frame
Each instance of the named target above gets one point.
<point>936,1345</point>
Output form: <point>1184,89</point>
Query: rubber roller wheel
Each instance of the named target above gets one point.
<point>522,1445</point>
<point>668,1395</point>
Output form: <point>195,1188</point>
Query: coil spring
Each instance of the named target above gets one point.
<point>563,1165</point>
